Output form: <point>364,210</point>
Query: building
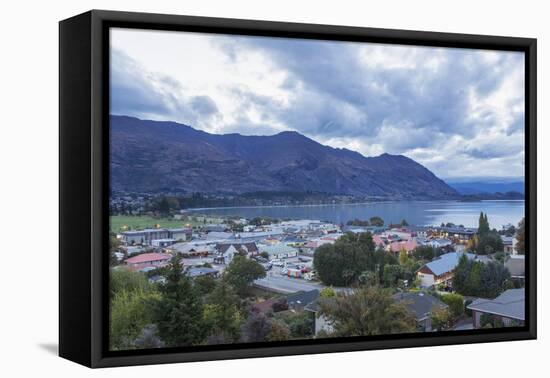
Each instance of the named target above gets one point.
<point>440,270</point>
<point>509,243</point>
<point>194,272</point>
<point>148,260</point>
<point>279,251</point>
<point>398,246</point>
<point>162,243</point>
<point>508,308</point>
<point>421,306</point>
<point>456,233</point>
<point>321,323</point>
<point>516,266</point>
<point>298,301</point>
<point>146,237</point>
<point>192,250</point>
<point>439,243</point>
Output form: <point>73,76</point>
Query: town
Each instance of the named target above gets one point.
<point>194,279</point>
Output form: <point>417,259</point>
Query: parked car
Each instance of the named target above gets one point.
<point>304,259</point>
<point>310,276</point>
<point>277,263</point>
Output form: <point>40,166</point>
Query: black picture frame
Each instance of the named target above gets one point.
<point>84,186</point>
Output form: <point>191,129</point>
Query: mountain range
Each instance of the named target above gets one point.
<point>154,156</point>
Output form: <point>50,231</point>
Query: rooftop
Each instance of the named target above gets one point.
<point>510,304</point>
<point>447,262</point>
<point>148,257</point>
<point>420,304</point>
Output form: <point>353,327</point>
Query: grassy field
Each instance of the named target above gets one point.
<point>125,222</point>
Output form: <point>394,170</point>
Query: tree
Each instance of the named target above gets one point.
<point>483,225</point>
<point>256,328</point>
<point>148,338</point>
<point>278,332</point>
<point>126,280</point>
<point>455,303</point>
<point>114,245</point>
<point>367,311</point>
<point>520,237</point>
<point>341,263</point>
<point>205,284</point>
<point>376,221</point>
<point>404,223</point>
<point>441,318</point>
<point>425,252</point>
<point>241,272</point>
<point>475,278</point>
<point>179,312</point>
<point>392,273</point>
<point>327,292</point>
<point>130,312</point>
<point>221,313</point>
<point>489,243</point>
<point>403,257</point>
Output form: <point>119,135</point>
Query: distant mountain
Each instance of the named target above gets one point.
<point>153,156</point>
<point>488,186</point>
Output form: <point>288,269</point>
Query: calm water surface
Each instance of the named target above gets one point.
<point>415,212</point>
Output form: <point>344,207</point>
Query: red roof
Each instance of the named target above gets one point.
<point>408,246</point>
<point>148,257</point>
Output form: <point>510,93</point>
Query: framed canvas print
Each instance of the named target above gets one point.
<point>234,188</point>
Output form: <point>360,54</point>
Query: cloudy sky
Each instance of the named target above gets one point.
<point>458,112</point>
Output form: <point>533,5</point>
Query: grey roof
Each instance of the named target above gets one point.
<point>516,265</point>
<point>507,240</point>
<point>278,249</point>
<point>447,262</point>
<point>510,304</point>
<point>419,303</point>
<point>303,298</point>
<point>200,271</point>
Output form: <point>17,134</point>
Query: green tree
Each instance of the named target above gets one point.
<point>441,318</point>
<point>241,272</point>
<point>327,292</point>
<point>455,303</point>
<point>367,311</point>
<point>403,257</point>
<point>341,263</point>
<point>520,237</point>
<point>179,312</point>
<point>425,252</point>
<point>376,221</point>
<point>404,223</point>
<point>475,278</point>
<point>125,280</point>
<point>392,273</point>
<point>130,312</point>
<point>221,313</point>
<point>205,284</point>
<point>483,225</point>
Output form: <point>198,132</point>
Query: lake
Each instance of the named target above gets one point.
<point>421,213</point>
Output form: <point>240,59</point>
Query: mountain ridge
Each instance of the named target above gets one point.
<point>154,156</point>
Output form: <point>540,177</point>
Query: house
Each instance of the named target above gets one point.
<point>509,243</point>
<point>148,260</point>
<point>321,323</point>
<point>226,251</point>
<point>279,251</point>
<point>516,266</point>
<point>421,306</point>
<point>194,272</point>
<point>508,308</point>
<point>440,270</point>
<point>439,243</point>
<point>192,250</point>
<point>298,301</point>
<point>457,234</point>
<point>181,234</point>
<point>398,246</point>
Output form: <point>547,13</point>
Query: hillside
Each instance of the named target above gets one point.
<point>153,156</point>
